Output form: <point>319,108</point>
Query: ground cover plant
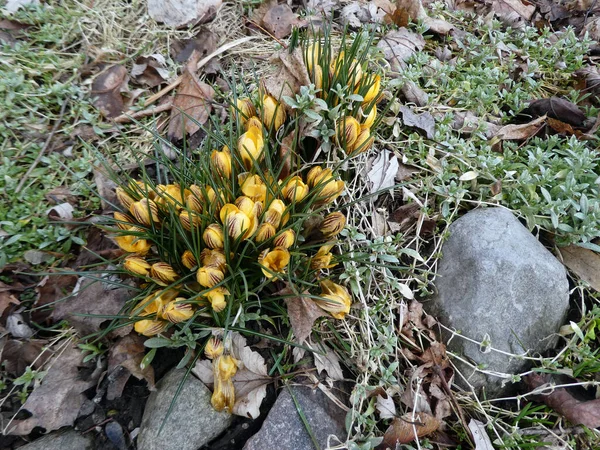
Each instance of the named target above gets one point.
<point>201,201</point>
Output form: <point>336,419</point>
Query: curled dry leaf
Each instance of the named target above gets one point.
<point>290,74</point>
<point>409,427</point>
<point>385,406</point>
<point>16,355</point>
<point>555,108</point>
<point>329,362</point>
<point>302,311</point>
<point>424,121</point>
<point>192,104</point>
<point>250,381</point>
<point>180,13</point>
<point>55,403</point>
<point>480,437</point>
<point>128,353</point>
<point>399,45</point>
<point>106,91</point>
<point>150,70</point>
<point>280,19</point>
<point>589,79</point>
<point>382,175</point>
<point>514,13</point>
<point>575,411</point>
<point>584,263</point>
<point>521,132</point>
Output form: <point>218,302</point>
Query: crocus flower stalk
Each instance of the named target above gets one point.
<point>335,299</point>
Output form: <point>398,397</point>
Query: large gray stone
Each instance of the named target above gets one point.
<point>62,440</point>
<point>283,428</point>
<point>192,423</point>
<point>497,283</point>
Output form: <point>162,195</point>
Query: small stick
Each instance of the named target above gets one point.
<point>201,64</point>
<point>124,118</point>
<point>44,148</point>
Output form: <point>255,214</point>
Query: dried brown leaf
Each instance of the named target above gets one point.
<point>303,312</point>
<point>56,401</point>
<point>128,353</point>
<point>406,11</point>
<point>290,74</point>
<point>584,263</point>
<point>329,362</point>
<point>555,108</point>
<point>106,90</point>
<point>181,13</point>
<point>514,13</point>
<point>399,45</point>
<point>424,121</point>
<point>192,104</point>
<point>279,20</point>
<point>575,411</point>
<point>407,428</point>
<point>17,355</point>
<point>150,70</point>
<point>521,132</point>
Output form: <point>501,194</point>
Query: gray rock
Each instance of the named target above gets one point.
<point>283,428</point>
<point>62,440</point>
<point>192,423</point>
<point>497,283</point>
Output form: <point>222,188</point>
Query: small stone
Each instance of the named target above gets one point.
<point>497,283</point>
<point>62,440</point>
<point>192,423</point>
<point>283,428</point>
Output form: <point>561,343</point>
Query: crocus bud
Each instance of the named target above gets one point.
<point>253,121</point>
<point>176,312</point>
<point>214,348</point>
<point>285,239</point>
<point>362,144</point>
<point>336,299</point>
<point>123,221</point>
<point>195,200</point>
<point>189,220</point>
<point>163,274</point>
<point>347,131</point>
<point>216,297</point>
<point>322,259</point>
<point>312,55</point>
<point>373,92</point>
<point>250,146</point>
<point>149,327</point>
<point>265,232</point>
<point>209,276</point>
<point>170,194</point>
<point>213,236</point>
<point>370,119</point>
<point>245,108</point>
<point>137,266</point>
<point>124,198</point>
<point>213,258</point>
<point>318,77</point>
<point>145,211</point>
<point>273,114</point>
<point>274,261</point>
<point>295,190</point>
<point>133,244</point>
<point>189,260</point>
<point>254,187</point>
<point>333,224</point>
<point>221,162</point>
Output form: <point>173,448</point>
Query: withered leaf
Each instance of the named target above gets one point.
<point>192,104</point>
<point>106,90</point>
<point>514,13</point>
<point>584,263</point>
<point>399,45</point>
<point>128,353</point>
<point>205,43</point>
<point>575,411</point>
<point>521,132</point>
<point>555,108</point>
<point>17,355</point>
<point>303,312</point>
<point>424,121</point>
<point>406,11</point>
<point>279,20</point>
<point>150,70</point>
<point>180,13</point>
<point>329,362</point>
<point>407,428</point>
<point>56,401</point>
<point>561,127</point>
<point>290,74</point>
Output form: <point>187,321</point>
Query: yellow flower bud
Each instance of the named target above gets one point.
<point>227,366</point>
<point>208,276</point>
<point>213,258</point>
<point>336,299</point>
<point>370,119</point>
<point>189,260</point>
<point>196,199</point>
<point>245,108</point>
<point>214,348</point>
<point>273,114</point>
<point>322,180</point>
<point>122,220</point>
<point>316,175</point>
<point>145,211</point>
<point>312,55</point>
<point>137,266</point>
<point>213,236</point>
<point>265,232</point>
<point>189,220</point>
<point>333,224</point>
<point>254,188</point>
<point>373,92</point>
<point>223,397</point>
<point>248,206</point>
<point>124,198</point>
<point>295,190</point>
<point>221,162</point>
<point>347,131</point>
<point>133,244</point>
<point>274,261</point>
<point>176,312</point>
<point>318,77</point>
<point>163,274</point>
<point>253,121</point>
<point>238,224</point>
<point>216,297</point>
<point>170,194</point>
<point>322,259</point>
<point>362,144</point>
<point>285,239</point>
<point>275,214</point>
<point>149,327</point>
<point>250,146</point>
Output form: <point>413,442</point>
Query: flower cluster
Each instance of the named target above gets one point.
<point>345,74</point>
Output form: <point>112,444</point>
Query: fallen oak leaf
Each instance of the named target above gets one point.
<point>302,311</point>
<point>424,121</point>
<point>192,104</point>
<point>398,46</point>
<point>329,363</point>
<point>106,90</point>
<point>584,263</point>
<point>409,427</point>
<point>291,73</point>
<point>560,400</point>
